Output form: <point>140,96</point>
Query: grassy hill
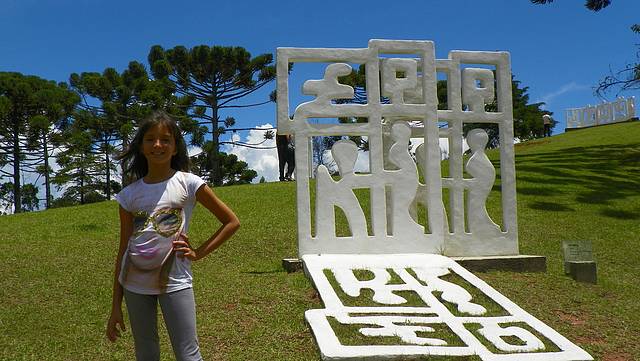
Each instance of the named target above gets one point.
<point>56,265</point>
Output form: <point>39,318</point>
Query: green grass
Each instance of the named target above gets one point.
<point>57,265</point>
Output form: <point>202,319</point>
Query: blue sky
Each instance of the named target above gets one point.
<point>559,51</point>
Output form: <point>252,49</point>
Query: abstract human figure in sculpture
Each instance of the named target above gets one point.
<point>330,193</point>
<point>404,183</point>
<point>421,194</point>
<point>484,175</point>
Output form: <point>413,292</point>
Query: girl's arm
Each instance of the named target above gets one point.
<point>126,229</point>
<point>225,215</point>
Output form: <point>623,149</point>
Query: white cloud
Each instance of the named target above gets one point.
<point>573,86</point>
<point>263,161</point>
<point>193,150</point>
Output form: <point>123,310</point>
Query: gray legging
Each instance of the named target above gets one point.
<point>178,310</point>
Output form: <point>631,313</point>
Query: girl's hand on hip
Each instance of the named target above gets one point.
<point>114,320</point>
<point>183,248</point>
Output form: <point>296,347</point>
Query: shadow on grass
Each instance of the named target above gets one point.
<point>626,153</point>
<point>602,195</point>
<point>550,206</point>
<point>614,213</point>
<point>596,175</point>
<point>90,227</point>
<point>264,272</point>
<point>535,191</point>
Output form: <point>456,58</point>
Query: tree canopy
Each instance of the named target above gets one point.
<point>213,79</point>
<point>31,110</point>
<point>83,124</point>
<point>113,104</point>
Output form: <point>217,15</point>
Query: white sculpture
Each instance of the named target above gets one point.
<point>397,242</point>
<point>409,83</point>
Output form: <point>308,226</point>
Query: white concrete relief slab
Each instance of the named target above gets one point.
<point>409,305</point>
<point>401,78</point>
<point>387,292</point>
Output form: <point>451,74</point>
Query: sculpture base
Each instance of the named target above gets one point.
<point>517,263</point>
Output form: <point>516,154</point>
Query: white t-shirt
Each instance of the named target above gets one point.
<point>161,211</point>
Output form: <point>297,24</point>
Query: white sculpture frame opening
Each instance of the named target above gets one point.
<point>474,80</point>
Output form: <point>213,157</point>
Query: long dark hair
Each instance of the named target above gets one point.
<point>135,164</point>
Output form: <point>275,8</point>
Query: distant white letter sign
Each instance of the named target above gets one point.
<point>401,79</point>
<point>619,110</point>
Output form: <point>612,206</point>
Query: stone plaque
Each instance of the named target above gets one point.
<point>576,251</point>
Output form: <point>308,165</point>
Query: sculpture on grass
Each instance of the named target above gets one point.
<point>401,81</point>
<point>418,301</point>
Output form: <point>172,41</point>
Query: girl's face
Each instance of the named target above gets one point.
<point>158,145</point>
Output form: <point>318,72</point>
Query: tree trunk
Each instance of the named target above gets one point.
<point>17,196</point>
<point>108,163</point>
<point>47,181</point>
<point>126,178</point>
<point>214,159</point>
<point>81,170</point>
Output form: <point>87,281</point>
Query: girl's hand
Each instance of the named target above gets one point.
<point>114,320</point>
<point>182,246</point>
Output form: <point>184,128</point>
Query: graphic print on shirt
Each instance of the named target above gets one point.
<point>150,251</point>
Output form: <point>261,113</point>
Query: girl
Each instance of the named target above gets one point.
<point>154,257</point>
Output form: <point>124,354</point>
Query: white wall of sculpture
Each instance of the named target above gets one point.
<point>404,73</point>
<point>619,110</point>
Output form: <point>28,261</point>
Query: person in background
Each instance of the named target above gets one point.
<point>282,143</point>
<point>291,157</point>
<point>546,122</point>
